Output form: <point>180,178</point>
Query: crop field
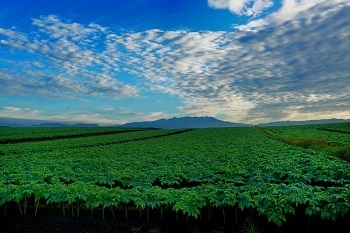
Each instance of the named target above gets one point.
<point>199,180</point>
<point>334,134</point>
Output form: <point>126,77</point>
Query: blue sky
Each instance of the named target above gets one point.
<point>111,62</point>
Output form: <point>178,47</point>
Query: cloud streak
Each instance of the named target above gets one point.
<point>242,7</point>
<point>293,10</point>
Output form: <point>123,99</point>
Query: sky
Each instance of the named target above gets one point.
<point>115,61</point>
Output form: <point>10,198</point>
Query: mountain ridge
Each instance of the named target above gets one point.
<point>308,122</point>
<point>22,122</point>
<point>58,124</point>
<point>184,122</point>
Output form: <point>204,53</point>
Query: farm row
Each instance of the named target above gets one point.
<point>84,141</point>
<point>10,135</point>
<point>334,134</point>
<point>331,138</point>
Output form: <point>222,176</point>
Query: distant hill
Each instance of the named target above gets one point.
<point>184,122</point>
<point>84,125</point>
<point>49,124</point>
<point>18,122</point>
<point>310,122</point>
<point>58,124</point>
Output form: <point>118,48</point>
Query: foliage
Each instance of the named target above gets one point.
<point>185,171</point>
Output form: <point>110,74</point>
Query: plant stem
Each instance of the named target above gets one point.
<point>161,213</point>
<point>72,211</point>
<point>147,213</point>
<point>20,209</point>
<point>36,208</point>
<point>209,214</point>
<point>126,212</point>
<point>236,214</point>
<point>25,205</point>
<point>112,212</point>
<point>63,209</point>
<point>78,213</point>
<point>103,212</point>
<point>223,212</point>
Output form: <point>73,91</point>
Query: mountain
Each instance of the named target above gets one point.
<point>184,122</point>
<point>58,124</point>
<point>49,124</point>
<point>85,125</point>
<point>18,122</point>
<point>310,122</point>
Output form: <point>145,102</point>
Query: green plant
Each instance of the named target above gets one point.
<point>249,227</point>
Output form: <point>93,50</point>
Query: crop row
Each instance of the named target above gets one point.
<point>275,201</point>
<point>322,132</point>
<point>13,135</point>
<point>340,127</point>
<point>79,142</point>
<point>337,149</point>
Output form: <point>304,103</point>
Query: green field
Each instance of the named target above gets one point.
<point>335,134</point>
<point>238,171</point>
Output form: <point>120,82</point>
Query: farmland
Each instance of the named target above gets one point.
<point>189,177</point>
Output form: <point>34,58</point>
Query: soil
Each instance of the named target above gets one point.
<point>52,220</point>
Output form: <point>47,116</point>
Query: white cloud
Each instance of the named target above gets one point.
<point>106,108</point>
<point>55,28</point>
<point>154,116</point>
<point>65,61</point>
<point>291,10</point>
<point>242,7</point>
<point>72,116</point>
<point>12,111</point>
<point>90,117</point>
